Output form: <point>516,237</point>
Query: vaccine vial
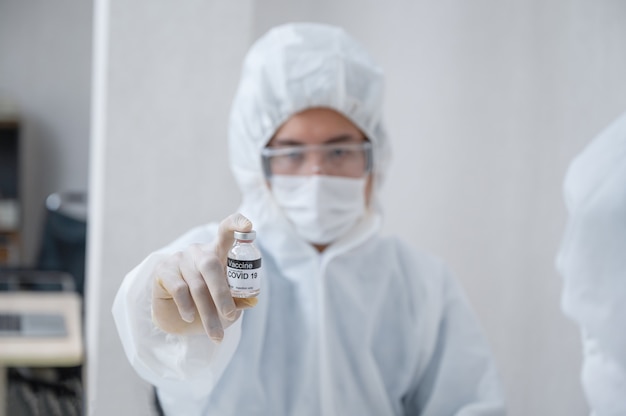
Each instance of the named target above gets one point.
<point>243,267</point>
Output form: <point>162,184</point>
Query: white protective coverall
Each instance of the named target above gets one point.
<point>367,327</point>
<point>592,261</point>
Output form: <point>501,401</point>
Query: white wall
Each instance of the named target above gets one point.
<point>164,78</point>
<point>45,71</point>
<point>487,103</point>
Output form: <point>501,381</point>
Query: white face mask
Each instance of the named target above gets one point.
<point>321,208</point>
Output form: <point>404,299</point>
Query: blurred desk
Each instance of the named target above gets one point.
<point>24,351</point>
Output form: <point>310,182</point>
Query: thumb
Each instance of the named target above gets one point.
<point>225,238</point>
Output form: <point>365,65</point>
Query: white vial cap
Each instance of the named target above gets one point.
<point>250,235</point>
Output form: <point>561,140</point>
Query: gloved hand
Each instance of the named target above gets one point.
<point>190,292</point>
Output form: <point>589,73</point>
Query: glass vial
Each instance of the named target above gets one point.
<point>243,267</point>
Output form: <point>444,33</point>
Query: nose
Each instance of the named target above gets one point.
<point>314,164</point>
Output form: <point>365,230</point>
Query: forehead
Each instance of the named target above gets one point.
<point>316,126</point>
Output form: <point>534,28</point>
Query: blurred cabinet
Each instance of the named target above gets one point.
<point>9,248</point>
<point>10,201</point>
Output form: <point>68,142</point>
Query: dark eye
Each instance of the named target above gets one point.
<point>337,153</point>
<point>294,156</point>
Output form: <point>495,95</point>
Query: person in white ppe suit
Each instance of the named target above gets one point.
<point>592,261</point>
<point>347,322</point>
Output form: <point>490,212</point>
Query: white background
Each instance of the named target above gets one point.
<point>487,103</point>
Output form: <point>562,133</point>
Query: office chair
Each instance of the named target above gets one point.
<point>63,241</point>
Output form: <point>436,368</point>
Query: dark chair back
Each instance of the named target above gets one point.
<point>63,243</point>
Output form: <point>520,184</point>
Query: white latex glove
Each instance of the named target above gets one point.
<point>190,292</point>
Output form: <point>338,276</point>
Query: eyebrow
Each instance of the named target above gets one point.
<point>344,138</point>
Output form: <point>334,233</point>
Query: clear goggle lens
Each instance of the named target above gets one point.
<point>352,160</point>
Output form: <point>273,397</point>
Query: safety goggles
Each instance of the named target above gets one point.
<point>351,160</point>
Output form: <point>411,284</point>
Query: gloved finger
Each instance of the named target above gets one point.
<point>228,322</point>
<point>225,238</point>
<point>201,294</point>
<point>169,284</point>
<point>214,275</point>
<point>166,316</point>
<point>212,271</point>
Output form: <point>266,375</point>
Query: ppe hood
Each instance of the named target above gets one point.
<point>294,67</point>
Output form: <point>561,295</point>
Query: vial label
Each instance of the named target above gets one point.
<point>244,275</point>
